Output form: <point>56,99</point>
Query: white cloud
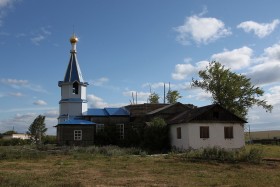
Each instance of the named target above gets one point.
<point>273,95</point>
<point>182,71</point>
<point>18,84</point>
<point>202,30</point>
<point>200,95</point>
<point>141,96</point>
<point>16,94</point>
<point>259,29</point>
<point>96,102</point>
<point>21,121</point>
<point>37,39</point>
<point>153,85</point>
<point>51,114</point>
<point>40,102</point>
<point>268,68</point>
<point>100,82</point>
<point>14,82</point>
<point>235,59</point>
<point>4,5</point>
<point>258,119</point>
<point>40,35</point>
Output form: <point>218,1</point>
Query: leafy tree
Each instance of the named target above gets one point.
<point>154,98</point>
<point>156,135</point>
<point>9,132</point>
<point>233,91</point>
<point>173,96</point>
<point>37,129</point>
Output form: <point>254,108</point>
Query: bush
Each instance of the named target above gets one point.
<point>107,151</point>
<point>14,142</point>
<point>254,155</point>
<point>49,139</point>
<point>156,136</point>
<point>11,153</point>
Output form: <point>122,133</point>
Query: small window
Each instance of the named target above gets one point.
<point>178,132</point>
<point>75,88</point>
<point>228,132</point>
<point>99,128</point>
<point>77,134</point>
<point>204,132</point>
<point>120,130</point>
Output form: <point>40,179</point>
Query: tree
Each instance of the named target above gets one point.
<point>154,98</point>
<point>9,132</point>
<point>232,91</point>
<point>173,96</point>
<point>156,135</point>
<point>37,129</point>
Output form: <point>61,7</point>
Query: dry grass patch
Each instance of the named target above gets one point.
<point>87,169</point>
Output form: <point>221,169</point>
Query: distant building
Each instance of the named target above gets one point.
<point>190,127</point>
<point>16,136</point>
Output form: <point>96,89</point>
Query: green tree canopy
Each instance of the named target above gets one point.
<point>37,129</point>
<point>9,132</point>
<point>233,91</point>
<point>156,135</point>
<point>154,98</point>
<point>172,96</point>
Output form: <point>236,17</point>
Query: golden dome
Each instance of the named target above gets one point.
<point>74,39</point>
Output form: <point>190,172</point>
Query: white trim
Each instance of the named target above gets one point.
<point>78,135</point>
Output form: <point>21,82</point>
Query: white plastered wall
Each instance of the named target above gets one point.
<point>190,136</point>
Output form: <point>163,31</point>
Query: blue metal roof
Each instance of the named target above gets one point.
<point>107,112</point>
<point>73,100</point>
<point>73,72</point>
<point>96,112</point>
<point>77,122</point>
<point>117,111</point>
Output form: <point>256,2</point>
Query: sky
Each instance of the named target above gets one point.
<point>129,46</point>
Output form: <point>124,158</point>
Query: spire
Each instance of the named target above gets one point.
<point>73,72</point>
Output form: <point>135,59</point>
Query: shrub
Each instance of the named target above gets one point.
<point>156,136</point>
<point>14,142</point>
<point>254,155</point>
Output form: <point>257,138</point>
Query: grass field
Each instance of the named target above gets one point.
<point>85,169</point>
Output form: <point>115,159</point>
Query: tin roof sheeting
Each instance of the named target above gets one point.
<point>73,72</point>
<point>107,112</point>
<point>77,122</point>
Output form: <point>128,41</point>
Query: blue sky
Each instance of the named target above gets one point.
<point>129,46</point>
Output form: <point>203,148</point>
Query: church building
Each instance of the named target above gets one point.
<point>190,127</point>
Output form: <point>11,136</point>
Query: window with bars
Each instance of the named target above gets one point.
<point>228,132</point>
<point>77,134</point>
<point>204,131</point>
<point>99,128</point>
<point>178,132</point>
<point>120,130</point>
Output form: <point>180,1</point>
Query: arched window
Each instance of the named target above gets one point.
<point>75,88</point>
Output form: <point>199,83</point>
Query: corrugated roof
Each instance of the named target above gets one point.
<point>117,111</point>
<point>96,112</point>
<point>77,122</point>
<point>189,115</point>
<point>166,107</point>
<point>107,112</point>
<point>73,72</point>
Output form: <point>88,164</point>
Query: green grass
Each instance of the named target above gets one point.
<point>269,151</point>
<point>88,167</point>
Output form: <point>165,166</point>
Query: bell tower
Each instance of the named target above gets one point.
<point>73,102</point>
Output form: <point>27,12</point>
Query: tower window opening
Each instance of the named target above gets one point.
<point>75,88</point>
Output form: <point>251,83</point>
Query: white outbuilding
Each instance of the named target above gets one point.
<point>208,126</point>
